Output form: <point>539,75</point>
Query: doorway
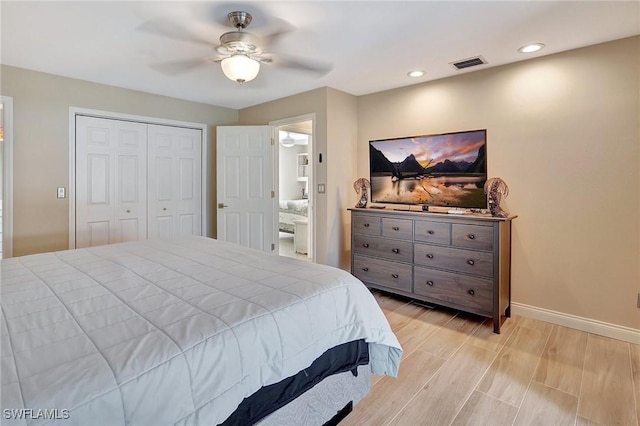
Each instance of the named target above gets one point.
<point>294,140</point>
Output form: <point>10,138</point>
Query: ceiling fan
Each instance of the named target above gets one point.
<point>240,52</point>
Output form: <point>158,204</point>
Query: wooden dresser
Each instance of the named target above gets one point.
<point>459,261</point>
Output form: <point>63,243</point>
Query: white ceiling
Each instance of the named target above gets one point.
<point>371,45</point>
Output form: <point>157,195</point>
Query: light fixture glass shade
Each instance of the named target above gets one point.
<point>287,141</point>
<point>240,68</point>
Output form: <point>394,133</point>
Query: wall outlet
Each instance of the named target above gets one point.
<point>321,188</point>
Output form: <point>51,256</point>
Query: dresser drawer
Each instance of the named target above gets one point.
<point>383,272</point>
<point>472,236</point>
<point>432,232</point>
<point>453,259</point>
<point>381,247</point>
<point>471,292</point>
<point>363,224</point>
<point>397,228</point>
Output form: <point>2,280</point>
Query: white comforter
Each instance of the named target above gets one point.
<point>170,332</point>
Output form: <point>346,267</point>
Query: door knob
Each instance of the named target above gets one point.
<point>222,206</point>
<point>164,209</point>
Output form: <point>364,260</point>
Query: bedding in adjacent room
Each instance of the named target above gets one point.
<point>164,332</point>
<point>290,210</point>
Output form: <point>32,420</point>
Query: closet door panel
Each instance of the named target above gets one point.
<point>174,181</point>
<point>164,227</point>
<point>131,208</point>
<point>97,233</point>
<point>110,181</point>
<point>129,229</point>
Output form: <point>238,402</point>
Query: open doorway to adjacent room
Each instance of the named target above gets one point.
<point>295,200</point>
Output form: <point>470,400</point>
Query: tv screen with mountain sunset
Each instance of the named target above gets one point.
<point>441,170</point>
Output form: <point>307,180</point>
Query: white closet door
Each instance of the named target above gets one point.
<point>174,181</point>
<point>110,181</point>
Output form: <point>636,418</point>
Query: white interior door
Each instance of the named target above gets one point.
<point>174,181</point>
<point>110,181</point>
<point>245,186</point>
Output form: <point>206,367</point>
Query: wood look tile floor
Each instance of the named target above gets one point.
<point>456,371</point>
<point>286,247</point>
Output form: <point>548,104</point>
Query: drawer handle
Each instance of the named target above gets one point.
<point>430,283</point>
<point>471,292</point>
<point>430,256</point>
<point>365,245</point>
<point>365,269</point>
<point>395,250</point>
<point>430,231</point>
<point>471,236</point>
<point>395,228</point>
<point>394,275</point>
<point>471,262</point>
<point>366,225</point>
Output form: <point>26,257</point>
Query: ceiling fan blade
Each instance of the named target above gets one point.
<point>169,29</point>
<point>182,66</point>
<point>307,65</point>
<point>282,28</point>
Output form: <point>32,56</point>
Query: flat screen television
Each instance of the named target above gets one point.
<point>447,170</point>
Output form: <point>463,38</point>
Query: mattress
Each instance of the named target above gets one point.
<point>170,332</point>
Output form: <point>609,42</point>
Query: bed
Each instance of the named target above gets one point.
<point>182,332</point>
<point>290,210</point>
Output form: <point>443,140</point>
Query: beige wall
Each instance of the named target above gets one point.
<point>564,132</point>
<point>342,139</point>
<point>41,145</point>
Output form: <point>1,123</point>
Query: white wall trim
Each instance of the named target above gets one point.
<point>600,328</point>
<point>7,178</point>
<point>312,176</point>
<point>75,111</point>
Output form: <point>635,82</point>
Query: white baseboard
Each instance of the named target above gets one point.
<point>619,332</point>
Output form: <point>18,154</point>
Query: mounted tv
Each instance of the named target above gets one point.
<point>437,170</point>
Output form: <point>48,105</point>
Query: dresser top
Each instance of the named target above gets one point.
<point>405,212</point>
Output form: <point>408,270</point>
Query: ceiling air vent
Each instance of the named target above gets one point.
<point>469,62</point>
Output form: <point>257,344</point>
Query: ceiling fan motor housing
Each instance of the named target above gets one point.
<point>235,42</point>
<point>239,19</point>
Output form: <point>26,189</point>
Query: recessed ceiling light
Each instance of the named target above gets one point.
<point>415,73</point>
<point>530,48</point>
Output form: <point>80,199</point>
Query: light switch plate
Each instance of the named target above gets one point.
<point>321,188</point>
<point>62,192</point>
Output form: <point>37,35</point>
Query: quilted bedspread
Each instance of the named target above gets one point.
<point>169,332</point>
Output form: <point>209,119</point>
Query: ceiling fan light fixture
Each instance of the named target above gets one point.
<point>240,68</point>
<point>287,141</point>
